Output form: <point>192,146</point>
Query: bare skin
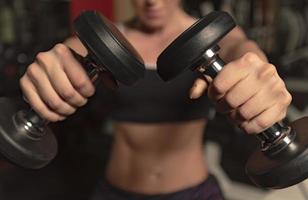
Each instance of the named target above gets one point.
<point>165,157</point>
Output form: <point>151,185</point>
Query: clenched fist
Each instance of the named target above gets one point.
<point>248,90</point>
<point>56,84</point>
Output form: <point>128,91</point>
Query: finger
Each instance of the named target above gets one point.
<point>272,96</point>
<point>265,120</point>
<point>235,118</point>
<point>198,88</point>
<point>254,106</point>
<point>36,102</point>
<point>233,73</point>
<point>239,94</point>
<point>269,95</point>
<point>47,92</point>
<point>75,72</point>
<point>223,82</point>
<point>59,80</point>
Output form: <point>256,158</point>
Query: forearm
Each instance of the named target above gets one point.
<point>236,44</point>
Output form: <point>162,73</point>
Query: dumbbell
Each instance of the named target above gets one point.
<point>282,160</point>
<point>25,138</point>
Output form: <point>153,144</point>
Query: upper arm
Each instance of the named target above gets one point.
<point>236,44</point>
<point>232,39</point>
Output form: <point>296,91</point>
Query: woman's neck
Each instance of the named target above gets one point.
<point>151,44</point>
<point>178,22</point>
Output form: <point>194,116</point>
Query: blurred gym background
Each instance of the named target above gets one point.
<point>28,26</point>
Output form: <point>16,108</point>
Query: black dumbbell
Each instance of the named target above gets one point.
<point>282,160</point>
<point>25,138</point>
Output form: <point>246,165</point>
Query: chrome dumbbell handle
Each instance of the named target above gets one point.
<point>212,64</point>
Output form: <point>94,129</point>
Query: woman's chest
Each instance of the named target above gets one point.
<point>149,47</point>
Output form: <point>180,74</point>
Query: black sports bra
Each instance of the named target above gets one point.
<point>153,100</point>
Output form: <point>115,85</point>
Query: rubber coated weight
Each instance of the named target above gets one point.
<point>109,48</point>
<point>15,143</point>
<point>24,137</point>
<point>282,171</point>
<point>185,51</point>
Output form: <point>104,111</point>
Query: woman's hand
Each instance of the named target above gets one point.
<point>248,90</point>
<point>55,85</point>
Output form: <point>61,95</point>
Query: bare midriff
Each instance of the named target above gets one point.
<point>157,158</point>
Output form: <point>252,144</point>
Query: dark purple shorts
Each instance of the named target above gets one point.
<point>207,190</point>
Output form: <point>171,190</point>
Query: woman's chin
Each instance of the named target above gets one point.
<point>153,25</point>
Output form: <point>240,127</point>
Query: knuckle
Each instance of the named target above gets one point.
<point>268,71</point>
<point>68,94</point>
<point>32,71</point>
<point>85,87</point>
<point>277,88</point>
<point>54,104</point>
<point>262,123</point>
<point>229,98</point>
<point>22,82</point>
<point>246,127</point>
<point>284,96</point>
<point>42,56</point>
<point>243,112</point>
<point>91,90</point>
<point>71,111</point>
<point>288,98</point>
<point>82,102</point>
<point>251,57</point>
<point>44,60</point>
<point>281,85</point>
<point>218,86</point>
<point>61,49</point>
<point>81,83</point>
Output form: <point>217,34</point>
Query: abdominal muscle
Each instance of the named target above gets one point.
<point>157,158</point>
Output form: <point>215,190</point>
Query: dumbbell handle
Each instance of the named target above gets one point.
<point>34,121</point>
<point>212,65</point>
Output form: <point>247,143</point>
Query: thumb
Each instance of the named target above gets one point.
<point>198,88</point>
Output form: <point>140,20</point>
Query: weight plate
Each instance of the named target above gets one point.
<point>184,52</point>
<point>279,173</point>
<point>17,146</point>
<point>108,47</point>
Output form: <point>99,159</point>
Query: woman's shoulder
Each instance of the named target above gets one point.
<point>120,26</point>
<point>124,26</point>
